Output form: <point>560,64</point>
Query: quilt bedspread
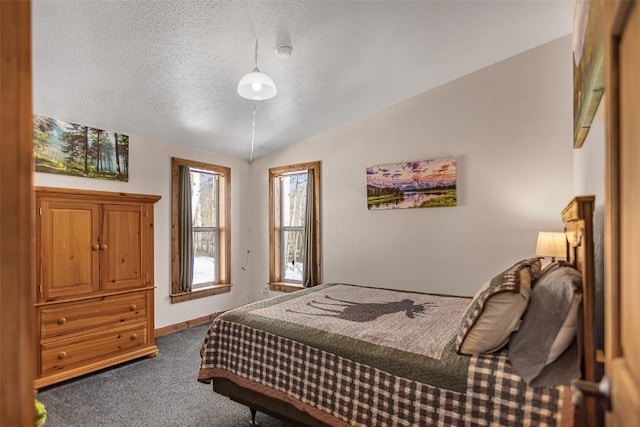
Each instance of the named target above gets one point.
<point>369,357</point>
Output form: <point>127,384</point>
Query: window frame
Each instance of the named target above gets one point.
<point>224,230</point>
<point>276,274</point>
<point>288,228</point>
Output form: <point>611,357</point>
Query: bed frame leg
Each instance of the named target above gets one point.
<point>253,417</point>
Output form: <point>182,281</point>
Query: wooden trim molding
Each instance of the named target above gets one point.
<point>177,327</point>
<point>200,293</point>
<point>275,275</point>
<point>17,286</point>
<point>104,196</point>
<point>224,203</point>
<point>284,287</point>
<point>98,295</point>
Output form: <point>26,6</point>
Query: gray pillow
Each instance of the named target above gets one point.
<point>538,349</point>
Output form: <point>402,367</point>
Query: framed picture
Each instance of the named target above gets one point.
<point>588,64</point>
<point>70,149</point>
<point>421,184</point>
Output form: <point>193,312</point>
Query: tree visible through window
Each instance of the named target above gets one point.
<point>201,235</point>
<point>293,191</point>
<point>294,239</point>
<point>204,208</point>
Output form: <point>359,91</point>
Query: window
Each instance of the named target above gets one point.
<point>204,208</point>
<point>294,222</point>
<point>200,236</point>
<point>293,196</point>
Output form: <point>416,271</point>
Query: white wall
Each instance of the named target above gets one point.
<point>150,173</point>
<point>589,178</point>
<point>589,160</point>
<point>509,125</point>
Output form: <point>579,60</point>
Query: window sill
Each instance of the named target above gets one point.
<point>284,287</point>
<point>200,293</point>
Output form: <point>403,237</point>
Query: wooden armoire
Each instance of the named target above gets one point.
<point>94,281</point>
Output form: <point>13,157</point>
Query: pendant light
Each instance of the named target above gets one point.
<point>255,85</point>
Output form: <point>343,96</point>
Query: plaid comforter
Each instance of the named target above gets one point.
<point>344,388</point>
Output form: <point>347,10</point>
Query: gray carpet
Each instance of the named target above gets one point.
<point>160,391</point>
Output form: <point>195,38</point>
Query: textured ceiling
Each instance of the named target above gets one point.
<point>168,70</point>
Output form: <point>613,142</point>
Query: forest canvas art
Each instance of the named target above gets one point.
<point>70,149</point>
<point>421,184</point>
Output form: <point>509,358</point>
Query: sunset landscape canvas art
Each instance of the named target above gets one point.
<point>420,184</point>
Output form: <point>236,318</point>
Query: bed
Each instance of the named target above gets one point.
<point>349,355</point>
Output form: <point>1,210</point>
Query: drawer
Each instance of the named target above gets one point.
<point>62,354</point>
<point>84,315</point>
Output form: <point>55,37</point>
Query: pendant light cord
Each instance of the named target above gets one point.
<point>253,130</point>
<point>256,58</point>
<point>253,121</point>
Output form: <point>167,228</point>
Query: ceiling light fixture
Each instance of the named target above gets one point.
<point>255,85</point>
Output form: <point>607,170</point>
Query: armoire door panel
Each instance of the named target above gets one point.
<point>121,247</point>
<point>70,256</point>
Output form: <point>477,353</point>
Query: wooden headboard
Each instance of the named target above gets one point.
<point>578,226</point>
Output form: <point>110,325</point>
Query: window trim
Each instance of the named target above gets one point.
<point>224,223</point>
<point>276,282</point>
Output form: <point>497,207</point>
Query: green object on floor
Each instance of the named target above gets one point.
<point>41,413</point>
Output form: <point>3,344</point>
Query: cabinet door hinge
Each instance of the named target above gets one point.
<point>40,289</point>
<point>40,211</point>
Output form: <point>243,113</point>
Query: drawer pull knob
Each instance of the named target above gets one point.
<point>134,337</point>
<point>103,247</point>
<point>62,355</point>
<point>95,247</point>
<point>62,321</point>
<point>133,307</point>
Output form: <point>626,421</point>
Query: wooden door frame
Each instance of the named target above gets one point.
<point>17,346</point>
<point>613,28</point>
<point>616,14</point>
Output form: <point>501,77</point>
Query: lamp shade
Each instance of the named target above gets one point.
<point>551,244</point>
<point>257,86</point>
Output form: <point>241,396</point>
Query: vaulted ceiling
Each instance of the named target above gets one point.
<point>168,70</point>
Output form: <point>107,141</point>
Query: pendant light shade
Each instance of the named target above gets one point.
<point>256,85</point>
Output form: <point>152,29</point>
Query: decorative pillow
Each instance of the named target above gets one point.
<point>496,309</point>
<point>548,327</point>
<point>569,327</point>
<point>552,266</point>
